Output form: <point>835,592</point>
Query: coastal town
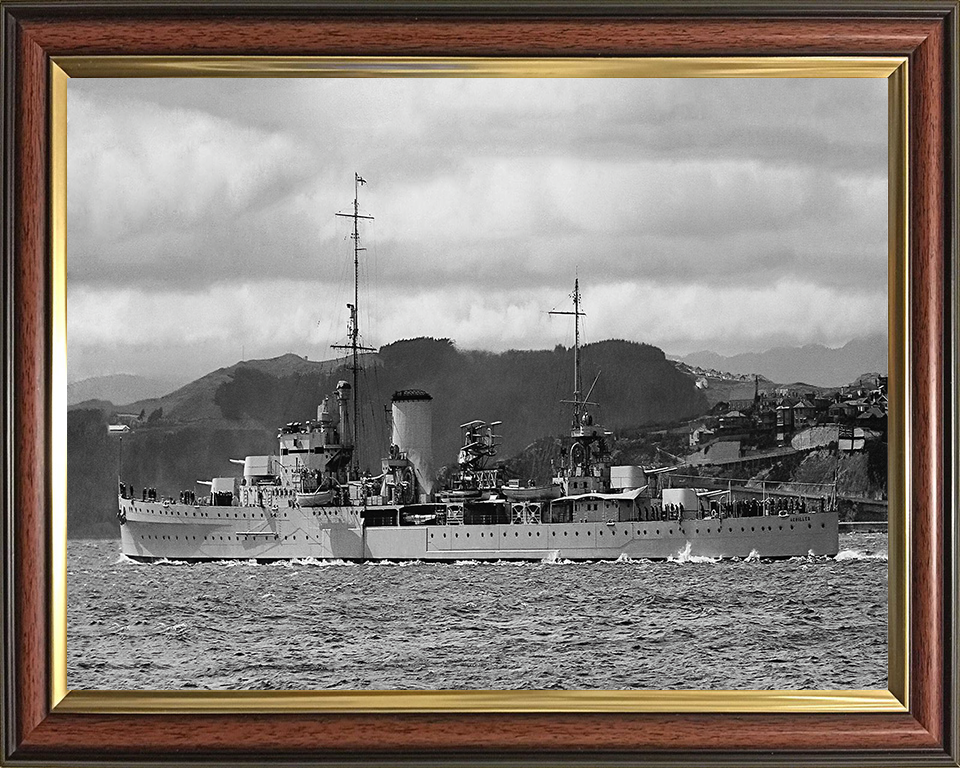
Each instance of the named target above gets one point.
<point>798,416</point>
<point>758,434</point>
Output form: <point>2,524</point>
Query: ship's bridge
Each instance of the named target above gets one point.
<point>314,446</point>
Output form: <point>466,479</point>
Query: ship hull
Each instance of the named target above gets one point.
<point>154,531</point>
<point>770,537</point>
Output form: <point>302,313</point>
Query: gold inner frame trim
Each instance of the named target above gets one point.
<point>58,383</point>
<point>415,66</point>
<point>894,69</point>
<point>238,702</point>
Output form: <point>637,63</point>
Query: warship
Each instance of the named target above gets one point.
<point>310,499</point>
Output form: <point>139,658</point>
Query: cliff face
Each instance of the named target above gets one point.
<point>192,433</point>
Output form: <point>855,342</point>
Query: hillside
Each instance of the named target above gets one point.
<point>812,363</point>
<point>119,388</point>
<point>722,387</point>
<point>192,433</point>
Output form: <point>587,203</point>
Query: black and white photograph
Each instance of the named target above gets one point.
<point>413,383</point>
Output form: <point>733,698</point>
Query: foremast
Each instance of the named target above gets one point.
<point>354,345</point>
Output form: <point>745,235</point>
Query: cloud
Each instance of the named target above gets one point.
<point>268,318</point>
<point>523,222</point>
<point>187,191</point>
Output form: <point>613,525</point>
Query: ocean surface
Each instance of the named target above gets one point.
<point>808,623</point>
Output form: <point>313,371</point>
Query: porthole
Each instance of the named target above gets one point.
<point>752,528</point>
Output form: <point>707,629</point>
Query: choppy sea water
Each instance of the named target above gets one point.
<point>807,623</point>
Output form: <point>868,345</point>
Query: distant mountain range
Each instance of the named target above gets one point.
<point>813,363</point>
<point>120,388</point>
<point>192,433</point>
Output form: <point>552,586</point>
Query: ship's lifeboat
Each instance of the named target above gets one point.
<point>318,498</point>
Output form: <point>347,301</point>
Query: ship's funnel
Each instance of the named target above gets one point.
<point>413,433</point>
<point>344,393</point>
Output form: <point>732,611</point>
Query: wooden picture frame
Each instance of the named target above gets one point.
<point>39,728</point>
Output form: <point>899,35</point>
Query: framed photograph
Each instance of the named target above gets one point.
<point>440,282</point>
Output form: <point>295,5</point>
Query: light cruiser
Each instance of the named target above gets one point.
<point>598,511</point>
<point>309,500</point>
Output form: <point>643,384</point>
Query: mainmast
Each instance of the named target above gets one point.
<point>353,328</point>
<point>578,403</point>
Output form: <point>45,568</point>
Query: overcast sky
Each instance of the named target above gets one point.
<point>730,215</point>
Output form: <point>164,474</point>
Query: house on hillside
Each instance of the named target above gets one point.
<point>734,422</point>
<point>804,414</point>
<point>785,416</point>
<point>768,420</point>
<point>700,434</point>
<point>784,420</point>
<point>843,411</point>
<point>130,419</point>
<point>873,417</point>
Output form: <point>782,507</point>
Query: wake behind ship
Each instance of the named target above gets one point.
<point>310,499</point>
